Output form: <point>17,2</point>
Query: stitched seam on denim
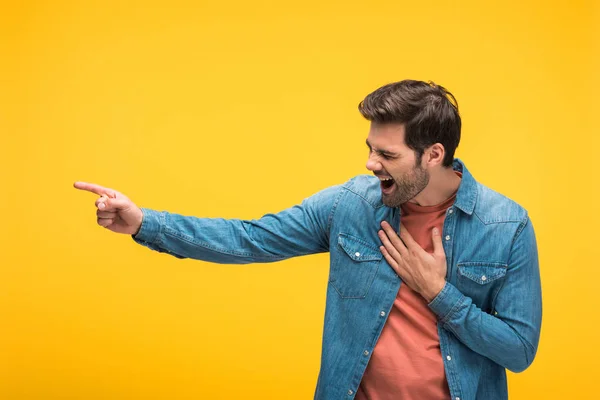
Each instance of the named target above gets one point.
<point>498,292</point>
<point>520,229</point>
<point>476,278</point>
<point>495,296</point>
<point>364,198</point>
<point>467,205</point>
<point>439,298</point>
<point>517,233</point>
<point>475,196</point>
<point>361,241</point>
<point>508,221</point>
<point>354,374</point>
<point>373,279</point>
<point>144,218</point>
<point>495,264</point>
<point>341,295</point>
<point>454,308</point>
<point>333,282</point>
<point>455,381</point>
<point>155,238</point>
<point>162,222</point>
<point>371,258</point>
<point>478,217</point>
<point>176,235</point>
<point>332,212</point>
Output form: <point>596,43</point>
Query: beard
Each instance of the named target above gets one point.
<point>407,187</point>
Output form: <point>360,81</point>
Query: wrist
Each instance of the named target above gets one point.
<point>140,221</point>
<point>433,290</point>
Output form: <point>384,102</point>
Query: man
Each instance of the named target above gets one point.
<point>439,310</point>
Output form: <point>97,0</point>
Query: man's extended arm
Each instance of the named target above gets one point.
<point>299,230</point>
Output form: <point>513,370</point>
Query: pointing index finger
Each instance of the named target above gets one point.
<point>93,188</point>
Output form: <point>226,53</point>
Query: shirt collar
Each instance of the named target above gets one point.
<point>466,197</point>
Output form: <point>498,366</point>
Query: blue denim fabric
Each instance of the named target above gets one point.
<point>489,312</point>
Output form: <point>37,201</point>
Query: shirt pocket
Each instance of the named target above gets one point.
<point>481,281</point>
<point>354,265</point>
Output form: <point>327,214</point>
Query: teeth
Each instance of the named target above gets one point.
<point>385,179</point>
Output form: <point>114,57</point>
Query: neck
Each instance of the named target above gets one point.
<point>442,185</point>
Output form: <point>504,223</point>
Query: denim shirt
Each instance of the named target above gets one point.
<point>489,311</point>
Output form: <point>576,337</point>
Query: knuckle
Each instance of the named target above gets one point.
<point>104,221</point>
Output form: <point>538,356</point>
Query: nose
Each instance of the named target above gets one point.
<point>373,165</point>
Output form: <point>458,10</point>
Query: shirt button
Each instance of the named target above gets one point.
<point>450,211</point>
<point>448,358</point>
<point>484,278</point>
<point>366,352</point>
<point>350,392</point>
<point>357,254</point>
<point>447,237</point>
<point>382,313</point>
<point>458,398</point>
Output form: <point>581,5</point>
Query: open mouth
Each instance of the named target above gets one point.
<point>387,185</point>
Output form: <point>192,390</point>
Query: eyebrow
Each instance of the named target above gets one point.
<point>384,152</point>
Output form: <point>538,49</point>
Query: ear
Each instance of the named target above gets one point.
<point>434,155</point>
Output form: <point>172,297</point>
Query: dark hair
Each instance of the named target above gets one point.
<point>428,111</point>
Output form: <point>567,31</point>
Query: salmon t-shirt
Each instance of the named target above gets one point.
<point>407,362</point>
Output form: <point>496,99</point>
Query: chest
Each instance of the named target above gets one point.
<point>476,254</point>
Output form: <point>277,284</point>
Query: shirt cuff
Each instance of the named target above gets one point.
<point>446,301</point>
<point>150,228</point>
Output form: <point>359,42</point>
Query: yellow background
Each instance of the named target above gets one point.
<point>236,109</point>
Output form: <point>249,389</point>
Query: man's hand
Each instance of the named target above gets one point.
<point>423,272</point>
<point>115,211</point>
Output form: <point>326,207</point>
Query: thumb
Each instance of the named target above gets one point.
<point>438,248</point>
<point>113,204</point>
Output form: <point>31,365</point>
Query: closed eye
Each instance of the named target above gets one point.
<point>385,154</point>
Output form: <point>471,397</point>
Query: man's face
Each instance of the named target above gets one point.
<point>395,164</point>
